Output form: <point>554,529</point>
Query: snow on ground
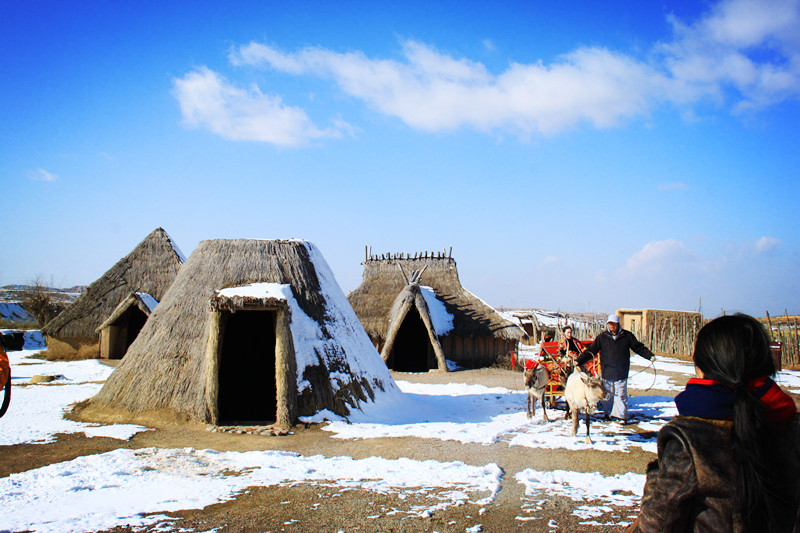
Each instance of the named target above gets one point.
<point>647,375</point>
<point>120,487</point>
<point>37,416</point>
<point>789,380</point>
<point>650,412</point>
<point>622,490</point>
<point>464,413</point>
<point>36,411</point>
<point>478,414</point>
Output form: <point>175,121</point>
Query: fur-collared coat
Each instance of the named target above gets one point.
<point>692,485</point>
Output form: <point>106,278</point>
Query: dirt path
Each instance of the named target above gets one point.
<point>315,507</point>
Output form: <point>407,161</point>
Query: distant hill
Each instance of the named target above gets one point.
<point>13,298</point>
<point>16,293</point>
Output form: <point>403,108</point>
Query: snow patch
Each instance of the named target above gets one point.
<point>442,320</point>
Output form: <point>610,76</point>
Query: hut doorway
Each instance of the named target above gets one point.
<point>123,331</point>
<point>412,350</point>
<point>247,387</point>
<point>135,324</point>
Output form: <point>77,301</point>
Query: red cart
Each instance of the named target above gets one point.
<point>560,367</point>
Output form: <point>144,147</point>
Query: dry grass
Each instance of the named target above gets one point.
<point>11,324</point>
<point>58,351</point>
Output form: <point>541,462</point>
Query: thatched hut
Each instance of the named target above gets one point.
<point>392,312</point>
<point>149,268</point>
<point>251,332</point>
<point>122,327</point>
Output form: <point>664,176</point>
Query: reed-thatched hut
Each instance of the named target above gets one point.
<point>149,268</point>
<point>122,327</point>
<point>251,332</point>
<point>471,333</point>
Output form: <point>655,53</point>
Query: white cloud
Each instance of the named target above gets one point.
<point>767,244</point>
<point>750,46</point>
<point>743,51</point>
<point>669,274</point>
<point>41,174</point>
<point>208,101</point>
<point>549,260</point>
<point>433,91</point>
<point>657,256</point>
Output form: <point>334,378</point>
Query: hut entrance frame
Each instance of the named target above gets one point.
<point>412,350</point>
<point>247,394</point>
<point>124,324</point>
<point>250,366</point>
<point>120,334</point>
<point>411,341</point>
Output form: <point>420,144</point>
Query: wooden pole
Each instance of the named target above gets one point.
<point>403,273</point>
<point>769,321</point>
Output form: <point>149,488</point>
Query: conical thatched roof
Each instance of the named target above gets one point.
<point>383,282</point>
<point>149,268</point>
<point>327,359</point>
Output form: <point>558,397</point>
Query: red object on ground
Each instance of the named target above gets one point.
<point>5,369</point>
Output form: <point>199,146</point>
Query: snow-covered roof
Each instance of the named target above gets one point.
<point>148,301</point>
<point>175,246</point>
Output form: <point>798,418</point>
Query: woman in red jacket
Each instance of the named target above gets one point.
<point>569,344</point>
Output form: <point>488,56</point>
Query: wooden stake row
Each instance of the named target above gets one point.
<point>443,254</point>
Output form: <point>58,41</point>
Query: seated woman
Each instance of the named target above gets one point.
<point>731,460</point>
<point>568,344</point>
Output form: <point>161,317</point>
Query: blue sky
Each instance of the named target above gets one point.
<point>577,156</point>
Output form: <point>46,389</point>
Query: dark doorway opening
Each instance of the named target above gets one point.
<point>412,348</point>
<point>124,331</point>
<point>247,390</point>
<point>136,322</point>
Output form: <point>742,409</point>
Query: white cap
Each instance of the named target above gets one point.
<point>613,318</point>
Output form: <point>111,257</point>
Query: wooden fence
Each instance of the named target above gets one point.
<point>785,330</point>
<point>676,336</point>
<point>581,329</point>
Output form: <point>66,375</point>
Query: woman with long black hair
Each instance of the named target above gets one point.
<point>731,460</point>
